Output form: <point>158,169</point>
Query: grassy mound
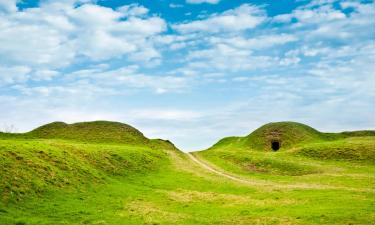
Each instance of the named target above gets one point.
<point>288,134</point>
<point>46,158</point>
<point>254,153</point>
<point>97,131</point>
<point>35,166</point>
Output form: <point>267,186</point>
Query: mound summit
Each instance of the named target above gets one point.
<point>96,131</point>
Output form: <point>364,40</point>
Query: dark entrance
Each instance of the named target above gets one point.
<point>275,145</point>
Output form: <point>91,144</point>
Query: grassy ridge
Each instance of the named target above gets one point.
<point>59,155</point>
<point>35,166</point>
<point>353,149</point>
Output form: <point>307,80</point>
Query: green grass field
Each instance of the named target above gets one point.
<point>109,173</point>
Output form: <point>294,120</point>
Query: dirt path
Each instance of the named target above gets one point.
<point>213,170</point>
<point>268,184</point>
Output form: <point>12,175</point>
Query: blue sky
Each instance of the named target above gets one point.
<point>192,71</point>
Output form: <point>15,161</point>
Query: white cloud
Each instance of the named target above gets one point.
<point>321,19</point>
<point>225,57</point>
<point>12,75</point>
<point>165,114</point>
<point>259,42</point>
<point>8,5</point>
<point>54,35</point>
<point>238,53</point>
<point>117,79</point>
<point>45,75</point>
<point>325,13</point>
<point>133,10</point>
<point>202,1</point>
<point>147,54</point>
<point>312,14</point>
<point>34,45</point>
<point>94,16</point>
<point>242,18</point>
<point>304,66</point>
<point>107,37</point>
<point>174,6</point>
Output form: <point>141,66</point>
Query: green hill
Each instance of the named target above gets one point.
<point>287,135</point>
<point>93,132</point>
<point>280,149</point>
<point>59,155</point>
<point>97,131</point>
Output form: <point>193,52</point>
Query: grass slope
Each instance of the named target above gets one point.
<point>76,179</point>
<point>60,155</point>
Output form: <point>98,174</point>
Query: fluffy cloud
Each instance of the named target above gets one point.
<point>260,42</point>
<point>239,54</point>
<point>228,58</point>
<point>40,46</point>
<point>133,10</point>
<point>327,20</point>
<point>174,6</point>
<point>104,37</point>
<point>8,5</point>
<point>221,42</point>
<point>242,18</point>
<point>56,33</point>
<point>45,75</point>
<point>75,60</point>
<point>95,82</point>
<point>202,1</point>
<point>130,77</point>
<point>165,114</point>
<point>307,15</point>
<point>12,75</point>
